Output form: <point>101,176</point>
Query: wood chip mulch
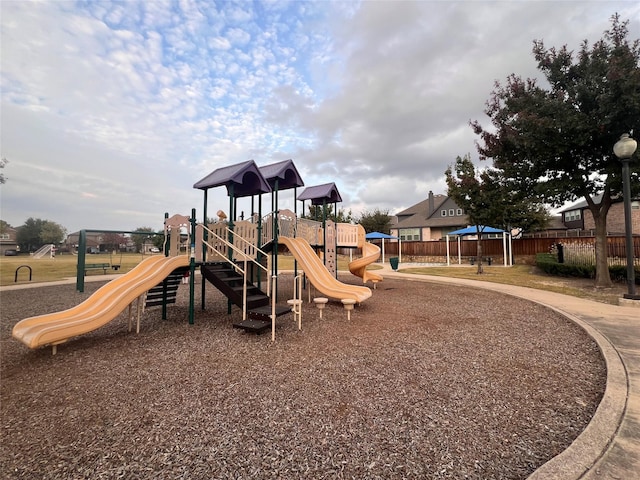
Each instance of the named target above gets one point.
<point>425,381</point>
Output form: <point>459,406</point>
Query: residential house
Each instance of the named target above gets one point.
<point>579,217</point>
<point>431,219</point>
<point>8,241</point>
<point>94,242</point>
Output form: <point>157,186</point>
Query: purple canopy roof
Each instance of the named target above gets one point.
<point>319,194</point>
<point>243,179</point>
<point>284,172</point>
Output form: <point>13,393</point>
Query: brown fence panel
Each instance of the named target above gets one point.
<point>494,247</point>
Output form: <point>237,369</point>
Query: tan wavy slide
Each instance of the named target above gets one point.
<point>318,274</point>
<point>370,254</point>
<point>100,308</point>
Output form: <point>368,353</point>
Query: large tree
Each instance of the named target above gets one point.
<point>557,139</point>
<point>52,232</point>
<point>37,232</point>
<point>143,234</point>
<point>376,221</point>
<point>488,201</point>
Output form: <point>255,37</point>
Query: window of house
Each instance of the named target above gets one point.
<point>635,205</point>
<point>572,215</point>
<point>409,234</point>
<point>4,236</point>
<point>459,212</point>
<point>451,212</point>
<point>443,213</point>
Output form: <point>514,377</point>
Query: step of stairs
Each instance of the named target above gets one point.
<point>259,319</point>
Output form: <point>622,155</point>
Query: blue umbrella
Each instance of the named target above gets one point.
<point>473,230</point>
<point>383,237</point>
<point>378,235</point>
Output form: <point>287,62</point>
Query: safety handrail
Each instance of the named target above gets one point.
<point>244,258</point>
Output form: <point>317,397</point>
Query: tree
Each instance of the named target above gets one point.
<point>113,241</point>
<point>520,209</point>
<point>315,213</point>
<point>36,232</point>
<point>3,162</point>
<point>4,226</point>
<point>139,238</point>
<point>376,221</point>
<point>478,193</point>
<point>51,232</point>
<point>557,141</point>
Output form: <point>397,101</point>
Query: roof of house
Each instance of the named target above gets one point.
<point>422,207</point>
<point>582,204</point>
<point>418,215</point>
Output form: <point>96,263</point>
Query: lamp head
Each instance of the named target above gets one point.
<point>625,147</point>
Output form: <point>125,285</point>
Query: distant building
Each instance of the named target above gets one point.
<point>431,219</point>
<point>8,241</point>
<point>579,217</point>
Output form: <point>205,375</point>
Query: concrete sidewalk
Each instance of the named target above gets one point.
<point>609,448</point>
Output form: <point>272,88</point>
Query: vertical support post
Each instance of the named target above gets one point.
<point>205,237</point>
<point>626,193</point>
<point>276,233</point>
<point>232,216</point>
<point>260,239</point>
<point>165,282</point>
<point>82,252</point>
<point>324,232</point>
<point>295,214</point>
<point>192,268</point>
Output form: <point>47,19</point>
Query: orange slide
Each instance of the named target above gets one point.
<point>370,254</point>
<point>101,307</point>
<point>318,274</point>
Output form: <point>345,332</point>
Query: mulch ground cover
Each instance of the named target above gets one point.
<point>425,381</point>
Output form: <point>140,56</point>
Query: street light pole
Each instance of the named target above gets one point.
<point>624,149</point>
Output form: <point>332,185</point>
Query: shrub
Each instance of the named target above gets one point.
<point>548,263</point>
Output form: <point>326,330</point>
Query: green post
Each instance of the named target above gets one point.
<point>82,251</point>
<point>165,283</point>
<point>232,214</point>
<point>192,268</point>
<point>205,237</point>
<point>259,233</point>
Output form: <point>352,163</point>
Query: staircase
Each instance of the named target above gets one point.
<point>231,283</point>
<point>167,290</point>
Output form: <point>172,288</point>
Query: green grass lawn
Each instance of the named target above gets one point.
<point>62,266</point>
<point>527,276</point>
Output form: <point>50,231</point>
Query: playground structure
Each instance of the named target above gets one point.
<point>236,256</point>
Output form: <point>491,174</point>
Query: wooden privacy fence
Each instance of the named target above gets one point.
<point>521,247</point>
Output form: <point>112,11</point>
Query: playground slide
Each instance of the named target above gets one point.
<point>318,274</point>
<point>100,308</point>
<point>370,254</point>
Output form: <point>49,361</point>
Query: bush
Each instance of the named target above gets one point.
<point>548,263</point>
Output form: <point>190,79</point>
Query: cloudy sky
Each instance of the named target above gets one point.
<point>111,111</point>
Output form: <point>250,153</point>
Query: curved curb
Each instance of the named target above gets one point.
<point>593,442</point>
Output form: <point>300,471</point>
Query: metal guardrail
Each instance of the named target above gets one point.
<point>237,254</point>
